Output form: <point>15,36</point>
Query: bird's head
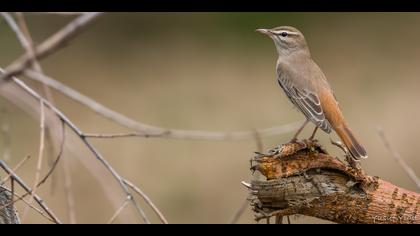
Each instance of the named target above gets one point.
<point>287,39</point>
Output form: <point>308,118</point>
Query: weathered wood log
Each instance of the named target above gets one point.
<point>8,213</point>
<point>302,178</point>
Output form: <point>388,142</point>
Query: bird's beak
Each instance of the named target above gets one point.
<point>264,31</point>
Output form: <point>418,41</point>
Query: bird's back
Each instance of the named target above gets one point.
<point>304,73</point>
<point>300,79</point>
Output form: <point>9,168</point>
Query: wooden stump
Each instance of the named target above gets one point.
<point>302,178</point>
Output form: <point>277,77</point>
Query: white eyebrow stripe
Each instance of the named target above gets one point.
<point>288,32</point>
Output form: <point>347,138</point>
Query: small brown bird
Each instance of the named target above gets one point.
<point>307,88</point>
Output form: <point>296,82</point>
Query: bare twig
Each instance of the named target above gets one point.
<point>50,45</point>
<point>25,39</point>
<point>67,178</point>
<point>22,32</point>
<point>147,200</point>
<point>121,135</point>
<point>41,143</point>
<point>52,168</point>
<point>153,131</point>
<point>92,149</point>
<point>397,157</point>
<point>21,162</point>
<point>12,186</point>
<point>5,131</point>
<point>58,13</point>
<point>239,212</point>
<point>119,210</point>
<point>29,47</point>
<point>69,193</point>
<point>60,153</point>
<point>40,157</point>
<point>12,24</point>
<point>40,202</point>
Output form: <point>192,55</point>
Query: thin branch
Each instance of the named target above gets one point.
<point>12,186</point>
<point>58,13</point>
<point>69,193</point>
<point>50,45</point>
<point>149,130</point>
<point>21,162</point>
<point>119,210</point>
<point>29,47</point>
<point>41,143</point>
<point>5,131</point>
<point>120,135</point>
<point>147,200</point>
<point>12,24</point>
<point>239,212</point>
<point>60,153</point>
<point>67,178</point>
<point>40,157</point>
<point>92,149</point>
<point>24,37</point>
<point>22,32</point>
<point>397,157</point>
<point>39,200</point>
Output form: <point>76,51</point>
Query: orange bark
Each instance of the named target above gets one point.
<point>303,179</point>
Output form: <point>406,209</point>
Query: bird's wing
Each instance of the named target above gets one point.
<point>308,102</point>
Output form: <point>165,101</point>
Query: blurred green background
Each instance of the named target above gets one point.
<point>212,71</point>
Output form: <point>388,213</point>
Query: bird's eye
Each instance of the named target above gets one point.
<point>284,34</point>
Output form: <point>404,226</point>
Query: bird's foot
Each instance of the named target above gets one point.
<point>350,160</point>
<point>293,140</point>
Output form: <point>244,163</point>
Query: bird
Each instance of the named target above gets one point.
<point>307,88</point>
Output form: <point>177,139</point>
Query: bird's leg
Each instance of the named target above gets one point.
<point>294,139</point>
<point>313,133</point>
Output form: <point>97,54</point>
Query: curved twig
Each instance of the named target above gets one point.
<point>146,130</point>
<point>147,200</point>
<point>60,153</point>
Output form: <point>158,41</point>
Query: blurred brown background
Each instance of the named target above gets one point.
<point>212,71</point>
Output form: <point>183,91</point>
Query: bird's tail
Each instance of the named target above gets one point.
<point>356,149</point>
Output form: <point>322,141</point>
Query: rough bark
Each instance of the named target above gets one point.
<point>8,214</point>
<point>302,178</point>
